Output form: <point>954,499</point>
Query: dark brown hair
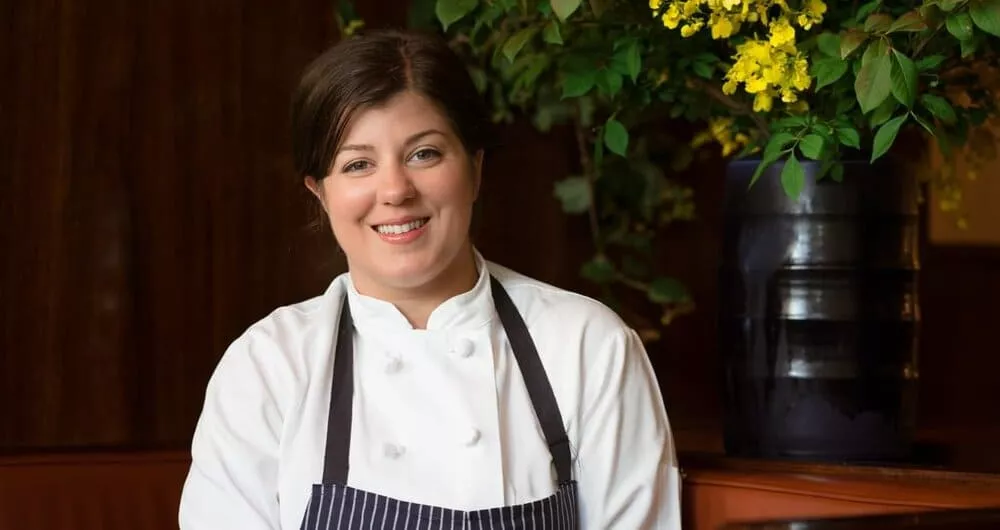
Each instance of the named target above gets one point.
<point>366,71</point>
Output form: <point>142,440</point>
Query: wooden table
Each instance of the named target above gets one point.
<point>718,490</point>
<point>972,519</point>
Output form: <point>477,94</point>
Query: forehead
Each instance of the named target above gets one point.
<point>404,114</point>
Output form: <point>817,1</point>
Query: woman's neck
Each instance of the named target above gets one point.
<point>417,304</point>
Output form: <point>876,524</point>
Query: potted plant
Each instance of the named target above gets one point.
<point>819,319</point>
<point>808,99</point>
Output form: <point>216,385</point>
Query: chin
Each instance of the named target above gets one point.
<point>411,272</point>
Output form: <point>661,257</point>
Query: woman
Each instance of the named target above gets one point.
<point>427,387</point>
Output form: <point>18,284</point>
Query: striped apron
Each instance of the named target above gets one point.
<point>336,506</point>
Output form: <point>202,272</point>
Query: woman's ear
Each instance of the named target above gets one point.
<point>316,189</point>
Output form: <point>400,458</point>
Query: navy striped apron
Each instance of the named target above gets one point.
<point>336,506</point>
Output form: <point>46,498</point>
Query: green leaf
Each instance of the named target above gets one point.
<point>930,62</point>
<point>878,48</point>
<point>812,146</point>
<point>878,22</point>
<point>939,107</point>
<point>968,47</point>
<point>600,6</point>
<point>866,9</point>
<point>793,177</point>
<point>616,137</point>
<point>450,11</point>
<point>574,194</point>
<point>633,60</point>
<point>986,15</point>
<point>775,148</point>
<point>517,41</point>
<point>791,122</point>
<point>874,83</point>
<point>849,137</point>
<point>551,33</point>
<point>828,70</point>
<point>598,270</point>
<point>883,112</point>
<point>923,123</point>
<point>837,172</point>
<point>904,78</point>
<point>667,290</point>
<point>948,5</point>
<point>829,44</point>
<point>959,24</point>
<point>850,41</point>
<point>564,8</point>
<point>478,79</point>
<point>703,69</point>
<point>885,136</point>
<point>844,105</point>
<point>609,82</point>
<point>909,21</point>
<point>578,83</point>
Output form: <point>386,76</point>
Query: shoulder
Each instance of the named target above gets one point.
<point>281,348</point>
<point>548,309</point>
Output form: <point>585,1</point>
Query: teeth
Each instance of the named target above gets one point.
<point>400,229</point>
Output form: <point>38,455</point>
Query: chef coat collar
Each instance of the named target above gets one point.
<point>471,309</point>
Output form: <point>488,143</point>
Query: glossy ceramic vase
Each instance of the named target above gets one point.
<point>819,314</point>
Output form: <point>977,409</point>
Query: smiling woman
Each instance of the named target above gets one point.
<point>427,387</point>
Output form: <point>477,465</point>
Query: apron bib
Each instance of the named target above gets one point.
<point>336,506</point>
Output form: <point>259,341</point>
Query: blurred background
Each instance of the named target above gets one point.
<point>149,214</point>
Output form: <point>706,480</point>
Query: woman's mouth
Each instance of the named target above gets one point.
<point>401,232</point>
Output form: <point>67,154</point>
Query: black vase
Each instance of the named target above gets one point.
<point>819,314</point>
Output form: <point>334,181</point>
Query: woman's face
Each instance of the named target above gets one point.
<point>399,196</point>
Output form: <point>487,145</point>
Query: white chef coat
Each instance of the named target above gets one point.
<point>441,415</point>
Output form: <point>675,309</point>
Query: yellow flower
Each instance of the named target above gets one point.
<point>672,17</point>
<point>688,29</point>
<point>721,130</point>
<point>691,8</point>
<point>762,102</point>
<point>799,107</point>
<point>782,33</point>
<point>654,5</point>
<point>722,28</point>
<point>769,67</point>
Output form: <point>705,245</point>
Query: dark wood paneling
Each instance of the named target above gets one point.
<point>149,209</point>
<point>149,215</point>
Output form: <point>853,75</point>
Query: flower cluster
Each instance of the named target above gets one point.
<point>768,67</point>
<point>721,131</point>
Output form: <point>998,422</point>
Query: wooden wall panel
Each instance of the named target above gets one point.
<point>148,215</point>
<point>149,210</point>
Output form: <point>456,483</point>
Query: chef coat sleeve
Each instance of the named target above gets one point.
<point>626,465</point>
<point>232,482</point>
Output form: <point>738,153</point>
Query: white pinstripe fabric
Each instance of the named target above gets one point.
<point>334,507</point>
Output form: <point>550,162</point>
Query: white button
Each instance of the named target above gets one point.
<point>473,437</point>
<point>463,348</point>
<point>393,451</point>
<point>394,365</point>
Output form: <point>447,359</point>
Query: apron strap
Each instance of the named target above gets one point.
<point>543,400</point>
<point>338,426</point>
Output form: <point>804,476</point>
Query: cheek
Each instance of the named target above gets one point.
<point>347,203</point>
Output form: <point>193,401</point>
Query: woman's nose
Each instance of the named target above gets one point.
<point>395,185</point>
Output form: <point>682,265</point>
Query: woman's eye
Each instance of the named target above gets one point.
<point>425,155</point>
<point>357,165</point>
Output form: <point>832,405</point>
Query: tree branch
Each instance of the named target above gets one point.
<point>733,105</point>
<point>589,173</point>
